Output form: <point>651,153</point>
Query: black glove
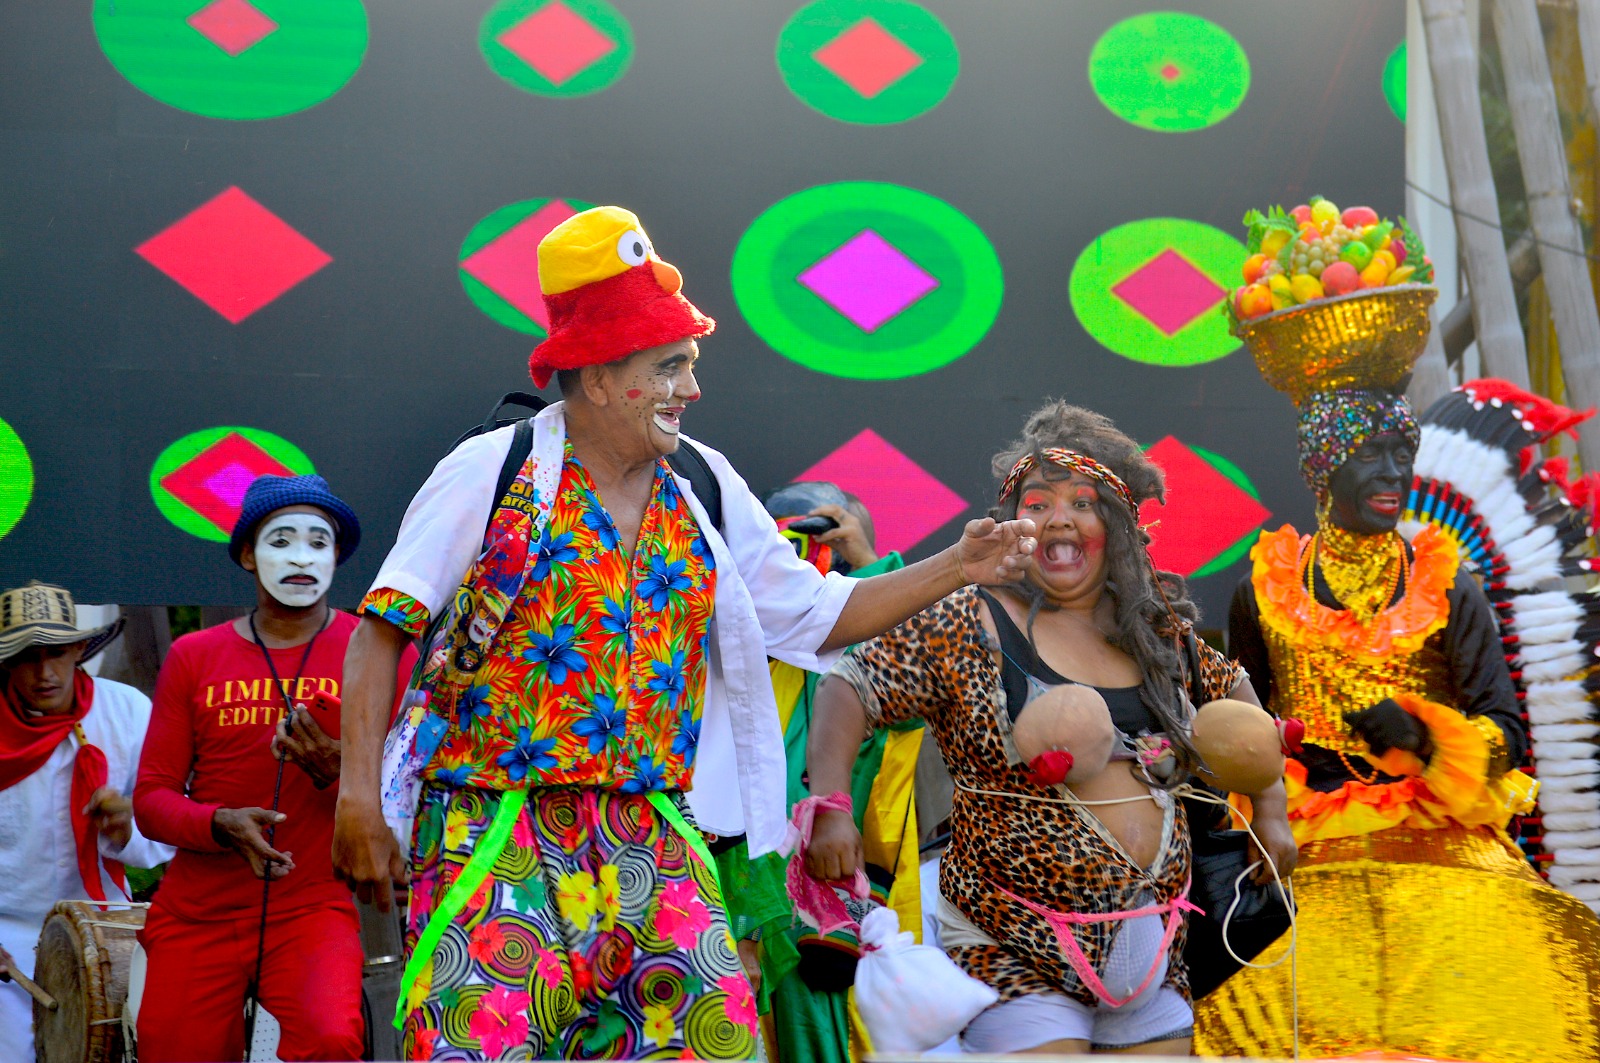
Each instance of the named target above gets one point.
<point>1387,726</point>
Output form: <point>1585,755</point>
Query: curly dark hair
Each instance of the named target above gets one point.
<point>1148,602</point>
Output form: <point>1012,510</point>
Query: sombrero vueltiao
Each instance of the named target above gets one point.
<point>41,615</point>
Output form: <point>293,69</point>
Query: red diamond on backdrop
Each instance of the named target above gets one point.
<point>235,26</point>
<point>1205,512</point>
<point>868,57</point>
<point>213,482</point>
<point>233,254</point>
<point>557,42</point>
<point>1169,291</point>
<point>1170,72</point>
<point>906,502</point>
<point>509,264</point>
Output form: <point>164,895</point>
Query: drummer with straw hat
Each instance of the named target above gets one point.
<point>69,752</point>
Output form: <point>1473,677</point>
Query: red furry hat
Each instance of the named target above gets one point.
<point>608,294</point>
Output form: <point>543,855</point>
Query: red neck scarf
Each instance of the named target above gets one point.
<point>26,742</point>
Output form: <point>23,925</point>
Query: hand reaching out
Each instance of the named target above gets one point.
<point>992,552</point>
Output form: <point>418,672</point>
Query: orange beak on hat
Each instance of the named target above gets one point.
<point>608,294</point>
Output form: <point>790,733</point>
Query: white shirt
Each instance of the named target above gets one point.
<point>38,856</point>
<point>769,603</point>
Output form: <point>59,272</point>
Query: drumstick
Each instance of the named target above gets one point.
<point>45,1000</point>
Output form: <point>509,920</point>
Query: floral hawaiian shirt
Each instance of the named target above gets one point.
<point>597,676</point>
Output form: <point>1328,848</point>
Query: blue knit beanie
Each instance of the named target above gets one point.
<point>268,494</point>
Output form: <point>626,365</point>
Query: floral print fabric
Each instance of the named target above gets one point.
<point>597,676</point>
<point>597,934</point>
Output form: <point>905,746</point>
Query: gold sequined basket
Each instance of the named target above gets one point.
<point>1368,338</point>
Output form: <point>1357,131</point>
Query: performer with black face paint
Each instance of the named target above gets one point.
<point>230,701</point>
<point>1422,930</point>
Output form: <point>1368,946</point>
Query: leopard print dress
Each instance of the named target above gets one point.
<point>940,666</point>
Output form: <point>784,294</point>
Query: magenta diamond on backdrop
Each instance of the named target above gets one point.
<point>868,280</point>
<point>557,42</point>
<point>1169,291</point>
<point>235,26</point>
<point>230,482</point>
<point>509,264</point>
<point>906,501</point>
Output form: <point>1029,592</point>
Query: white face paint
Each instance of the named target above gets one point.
<point>295,557</point>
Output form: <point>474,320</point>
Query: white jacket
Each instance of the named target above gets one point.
<point>769,603</point>
<point>39,856</point>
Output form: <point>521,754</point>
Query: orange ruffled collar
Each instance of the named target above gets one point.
<point>1287,608</point>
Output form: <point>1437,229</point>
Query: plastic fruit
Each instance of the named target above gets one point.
<point>1239,745</point>
<point>1306,287</point>
<point>1397,248</point>
<point>1356,253</point>
<point>1359,217</point>
<point>1254,266</point>
<point>1378,235</point>
<point>1375,275</point>
<point>1301,214</point>
<point>1401,275</point>
<point>1325,214</point>
<point>1340,278</point>
<point>1274,241</point>
<point>1282,292</point>
<point>1253,301</point>
<point>1065,719</point>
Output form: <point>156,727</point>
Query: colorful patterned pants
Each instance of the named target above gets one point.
<point>597,933</point>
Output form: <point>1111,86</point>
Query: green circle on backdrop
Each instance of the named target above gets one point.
<point>1394,81</point>
<point>315,49</point>
<point>1169,72</point>
<point>871,90</point>
<point>1119,253</point>
<point>604,22</point>
<point>185,516</point>
<point>796,233</point>
<point>1246,541</point>
<point>493,225</point>
<point>16,479</point>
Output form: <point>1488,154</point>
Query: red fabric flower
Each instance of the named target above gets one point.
<point>1049,767</point>
<point>1291,733</point>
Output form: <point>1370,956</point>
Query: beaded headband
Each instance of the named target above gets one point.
<point>1069,459</point>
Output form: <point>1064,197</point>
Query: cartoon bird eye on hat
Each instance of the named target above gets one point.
<point>608,294</point>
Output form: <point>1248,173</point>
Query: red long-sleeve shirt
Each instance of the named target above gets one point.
<point>209,747</point>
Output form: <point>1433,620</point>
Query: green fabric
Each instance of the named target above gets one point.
<point>757,899</point>
<point>488,850</point>
<point>810,1027</point>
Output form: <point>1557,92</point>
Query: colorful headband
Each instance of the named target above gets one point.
<point>1069,459</point>
<point>1334,424</point>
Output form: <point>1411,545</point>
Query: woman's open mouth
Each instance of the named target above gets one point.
<point>300,579</point>
<point>1386,504</point>
<point>1061,554</point>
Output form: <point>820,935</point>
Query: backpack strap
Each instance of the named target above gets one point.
<point>689,463</point>
<point>516,457</point>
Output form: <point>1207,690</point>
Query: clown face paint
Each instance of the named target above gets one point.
<point>295,556</point>
<point>1071,557</point>
<point>1365,494</point>
<point>652,390</point>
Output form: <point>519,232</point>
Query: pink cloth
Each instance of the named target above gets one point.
<point>814,900</point>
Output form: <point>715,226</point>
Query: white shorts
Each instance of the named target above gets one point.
<point>1028,1022</point>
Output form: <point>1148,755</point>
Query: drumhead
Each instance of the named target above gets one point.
<point>82,962</point>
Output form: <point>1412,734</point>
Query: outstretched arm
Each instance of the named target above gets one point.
<point>988,553</point>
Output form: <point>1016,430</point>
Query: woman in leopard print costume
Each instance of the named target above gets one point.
<point>1036,890</point>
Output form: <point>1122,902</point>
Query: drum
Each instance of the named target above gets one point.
<point>83,961</point>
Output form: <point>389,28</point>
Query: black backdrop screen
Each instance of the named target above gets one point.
<point>248,234</point>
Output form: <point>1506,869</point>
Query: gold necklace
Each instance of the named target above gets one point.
<point>1364,572</point>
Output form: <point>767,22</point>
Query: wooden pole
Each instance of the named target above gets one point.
<point>1454,65</point>
<point>1532,96</point>
<point>1589,42</point>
